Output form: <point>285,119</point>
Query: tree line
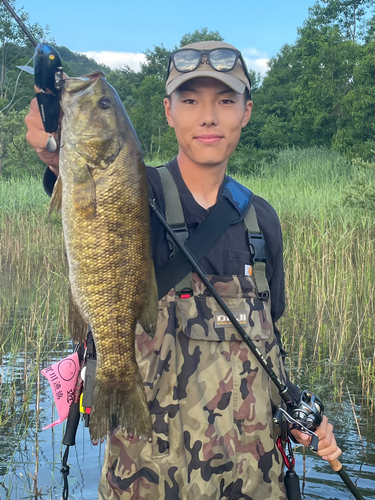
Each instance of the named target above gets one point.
<point>319,91</point>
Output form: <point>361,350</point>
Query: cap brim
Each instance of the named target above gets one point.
<point>232,82</point>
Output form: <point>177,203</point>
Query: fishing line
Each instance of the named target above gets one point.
<point>15,88</point>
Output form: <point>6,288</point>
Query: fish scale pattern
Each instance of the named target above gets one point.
<point>105,217</point>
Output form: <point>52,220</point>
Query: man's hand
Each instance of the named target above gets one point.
<point>37,137</point>
<point>328,448</point>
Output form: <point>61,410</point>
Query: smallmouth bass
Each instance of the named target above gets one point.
<point>103,195</point>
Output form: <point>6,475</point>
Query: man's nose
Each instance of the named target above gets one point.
<point>208,115</point>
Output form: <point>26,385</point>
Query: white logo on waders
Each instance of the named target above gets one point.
<point>222,320</point>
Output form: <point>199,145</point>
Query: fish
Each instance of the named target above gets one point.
<point>102,194</point>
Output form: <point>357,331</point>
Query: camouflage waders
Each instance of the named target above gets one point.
<point>210,401</point>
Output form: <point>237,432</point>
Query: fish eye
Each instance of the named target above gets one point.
<point>104,102</point>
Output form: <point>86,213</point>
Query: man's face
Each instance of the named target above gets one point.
<point>208,118</point>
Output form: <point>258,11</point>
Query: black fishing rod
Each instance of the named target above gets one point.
<point>304,414</point>
<point>20,22</point>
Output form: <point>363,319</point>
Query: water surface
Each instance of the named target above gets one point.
<point>21,443</point>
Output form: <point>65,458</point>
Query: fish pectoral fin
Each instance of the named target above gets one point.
<point>84,191</point>
<point>149,314</point>
<point>77,325</point>
<point>56,198</point>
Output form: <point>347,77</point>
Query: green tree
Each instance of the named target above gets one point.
<point>125,81</point>
<point>273,102</point>
<point>15,49</point>
<point>156,62</point>
<point>328,63</point>
<point>349,15</point>
<point>358,137</point>
<point>17,157</point>
<point>202,35</point>
<point>147,114</point>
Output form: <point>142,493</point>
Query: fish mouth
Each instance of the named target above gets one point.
<point>79,83</point>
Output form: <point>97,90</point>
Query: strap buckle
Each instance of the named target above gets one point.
<point>182,232</point>
<point>264,296</point>
<point>185,293</point>
<point>256,243</point>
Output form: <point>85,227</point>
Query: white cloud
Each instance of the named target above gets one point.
<point>256,59</point>
<point>117,60</point>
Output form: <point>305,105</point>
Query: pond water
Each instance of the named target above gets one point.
<point>21,445</point>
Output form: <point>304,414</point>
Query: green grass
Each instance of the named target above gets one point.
<point>33,303</point>
<point>18,196</point>
<point>329,250</point>
<point>304,183</point>
<point>328,326</point>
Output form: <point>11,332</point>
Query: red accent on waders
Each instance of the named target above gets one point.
<point>289,459</point>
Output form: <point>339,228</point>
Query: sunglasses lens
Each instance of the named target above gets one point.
<point>223,59</point>
<point>186,60</point>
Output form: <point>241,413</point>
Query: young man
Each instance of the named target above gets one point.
<point>211,402</point>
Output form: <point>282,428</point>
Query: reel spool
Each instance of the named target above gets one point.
<point>308,411</point>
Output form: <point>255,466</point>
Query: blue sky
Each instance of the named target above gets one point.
<point>119,31</point>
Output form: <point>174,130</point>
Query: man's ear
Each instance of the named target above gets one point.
<point>248,108</point>
<point>167,109</point>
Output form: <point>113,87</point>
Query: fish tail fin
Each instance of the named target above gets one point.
<point>124,406</point>
<point>149,314</point>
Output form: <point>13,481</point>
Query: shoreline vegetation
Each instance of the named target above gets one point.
<point>329,247</point>
<point>328,250</point>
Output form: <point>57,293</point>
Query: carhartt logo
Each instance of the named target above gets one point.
<point>222,320</point>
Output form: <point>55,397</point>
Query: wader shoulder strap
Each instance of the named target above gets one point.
<point>173,208</point>
<point>175,218</point>
<point>204,238</point>
<point>258,256</point>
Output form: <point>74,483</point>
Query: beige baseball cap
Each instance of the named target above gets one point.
<point>236,78</point>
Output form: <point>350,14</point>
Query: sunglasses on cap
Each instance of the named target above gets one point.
<point>220,59</point>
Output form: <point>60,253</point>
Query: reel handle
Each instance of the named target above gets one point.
<point>314,444</point>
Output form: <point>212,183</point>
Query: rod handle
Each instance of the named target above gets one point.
<point>336,465</point>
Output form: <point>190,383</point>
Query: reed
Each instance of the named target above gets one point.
<point>329,272</point>
<point>33,310</point>
<point>327,328</point>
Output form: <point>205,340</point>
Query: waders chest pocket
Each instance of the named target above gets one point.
<point>203,319</point>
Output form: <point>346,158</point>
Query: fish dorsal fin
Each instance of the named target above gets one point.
<point>56,198</point>
<point>149,315</point>
<point>95,74</point>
